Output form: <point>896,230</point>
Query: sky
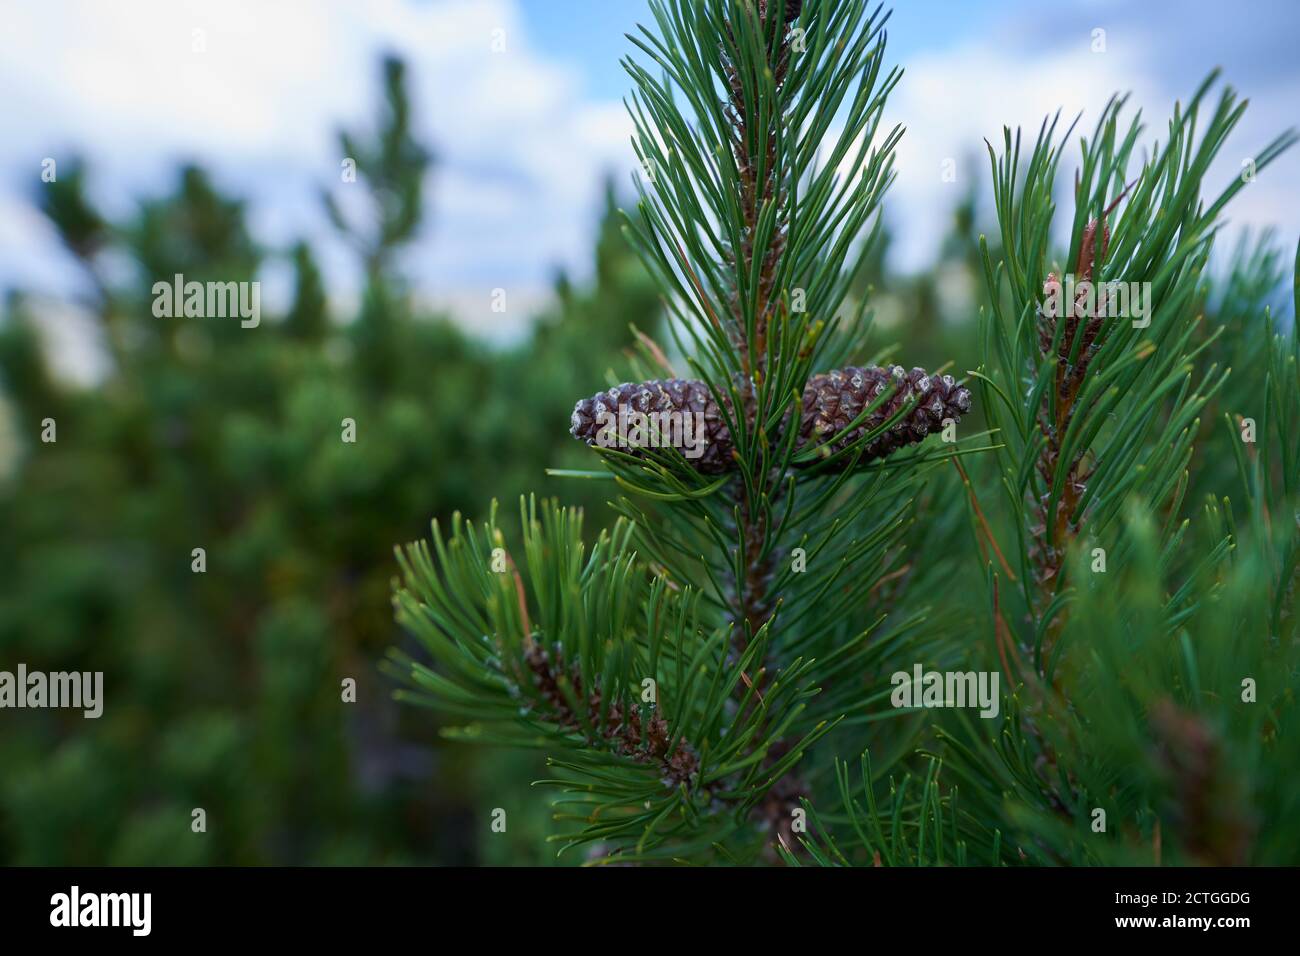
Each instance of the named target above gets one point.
<point>524,134</point>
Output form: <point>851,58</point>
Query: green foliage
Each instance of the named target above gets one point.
<point>224,688</point>
<point>1147,643</point>
<point>1118,539</point>
<point>1130,629</point>
<point>735,237</point>
<point>1112,409</point>
<point>519,652</point>
<point>900,830</point>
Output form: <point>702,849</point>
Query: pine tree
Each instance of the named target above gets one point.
<point>681,669</point>
<point>713,678</point>
<point>226,685</point>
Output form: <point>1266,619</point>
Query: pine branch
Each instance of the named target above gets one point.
<point>609,669</point>
<point>1099,446</point>
<point>617,728</point>
<point>903,829</point>
<point>1092,434</point>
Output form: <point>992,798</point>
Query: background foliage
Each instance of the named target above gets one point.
<point>223,688</point>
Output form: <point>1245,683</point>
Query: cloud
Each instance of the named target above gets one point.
<point>1015,73</point>
<point>256,91</point>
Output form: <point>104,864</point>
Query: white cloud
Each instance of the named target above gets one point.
<point>519,152</point>
<point>520,149</point>
<point>951,101</point>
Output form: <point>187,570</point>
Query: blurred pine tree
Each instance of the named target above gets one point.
<point>224,688</point>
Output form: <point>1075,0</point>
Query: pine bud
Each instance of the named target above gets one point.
<point>684,414</point>
<point>792,9</point>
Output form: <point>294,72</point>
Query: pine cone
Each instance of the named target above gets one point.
<point>695,419</point>
<point>830,402</point>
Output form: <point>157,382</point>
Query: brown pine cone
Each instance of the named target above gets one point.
<point>830,402</point>
<point>711,445</point>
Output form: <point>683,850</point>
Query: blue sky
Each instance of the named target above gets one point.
<point>590,33</point>
<point>524,136</point>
